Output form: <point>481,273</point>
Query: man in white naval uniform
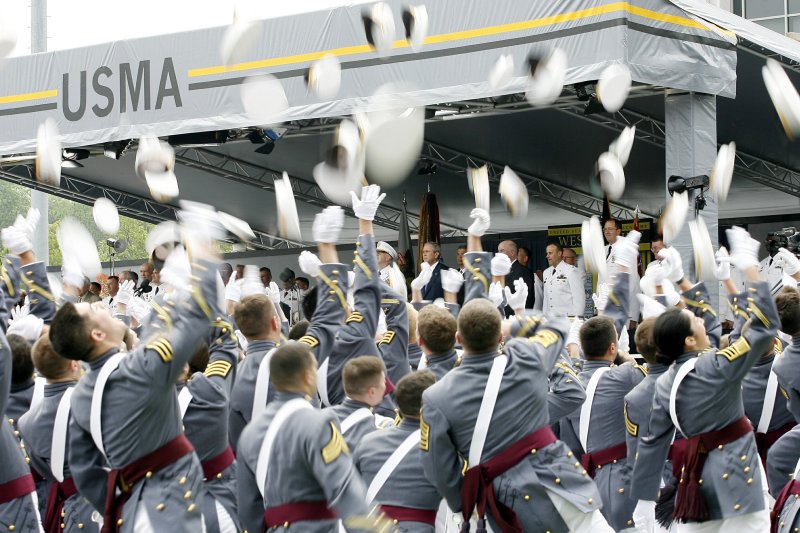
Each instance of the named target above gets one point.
<point>612,230</point>
<point>563,287</point>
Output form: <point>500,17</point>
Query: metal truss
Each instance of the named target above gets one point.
<point>131,205</point>
<point>539,189</point>
<point>241,171</point>
<point>653,131</point>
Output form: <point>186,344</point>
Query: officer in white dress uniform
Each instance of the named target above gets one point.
<point>563,287</point>
<point>612,229</point>
<point>770,268</point>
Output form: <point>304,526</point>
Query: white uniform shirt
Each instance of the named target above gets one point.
<point>773,273</point>
<point>111,302</point>
<point>612,268</point>
<point>563,291</point>
<point>386,273</point>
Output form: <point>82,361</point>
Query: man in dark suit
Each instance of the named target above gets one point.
<point>431,254</point>
<point>519,271</point>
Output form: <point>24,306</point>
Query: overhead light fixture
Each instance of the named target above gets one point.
<point>71,156</point>
<point>429,169</point>
<point>115,149</point>
<point>199,140</point>
<point>586,92</point>
<point>680,184</point>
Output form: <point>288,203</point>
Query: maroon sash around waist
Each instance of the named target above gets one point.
<point>764,441</point>
<point>289,513</point>
<point>477,489</point>
<point>16,488</point>
<point>125,478</point>
<point>592,461</point>
<point>408,514</point>
<point>56,496</point>
<point>689,501</point>
<point>676,454</point>
<point>791,489</point>
<point>216,465</point>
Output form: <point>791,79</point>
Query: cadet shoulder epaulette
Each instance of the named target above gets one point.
<point>360,262</point>
<point>545,337</point>
<point>457,364</point>
<point>389,301</point>
<point>703,306</point>
<point>219,368</point>
<point>735,350</point>
<point>388,337</point>
<point>335,447</point>
<point>476,273</point>
<point>633,429</point>
<point>566,368</point>
<point>355,316</point>
<point>753,308</point>
<point>163,348</point>
<point>640,368</point>
<point>309,340</point>
<point>424,434</point>
<point>783,391</point>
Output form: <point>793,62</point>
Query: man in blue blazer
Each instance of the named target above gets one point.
<point>431,254</point>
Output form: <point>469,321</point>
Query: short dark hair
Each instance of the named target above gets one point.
<point>616,222</point>
<point>109,278</point>
<point>597,334</point>
<point>289,363</point>
<point>656,237</point>
<point>479,326</point>
<point>557,246</point>
<point>788,303</point>
<point>130,274</point>
<point>527,250</point>
<point>253,315</point>
<point>669,334</point>
<point>437,329</point>
<point>48,362</point>
<point>298,330</point>
<point>70,333</point>
<point>96,285</point>
<point>408,392</point>
<point>361,373</point>
<point>309,304</point>
<point>265,269</point>
<point>462,247</point>
<point>303,279</point>
<point>644,339</point>
<point>21,362</point>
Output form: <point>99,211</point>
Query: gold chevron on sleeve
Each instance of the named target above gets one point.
<point>163,348</point>
<point>335,447</point>
<point>735,350</point>
<point>218,368</point>
<point>633,429</point>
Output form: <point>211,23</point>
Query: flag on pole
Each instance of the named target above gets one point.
<point>428,221</point>
<point>405,258</point>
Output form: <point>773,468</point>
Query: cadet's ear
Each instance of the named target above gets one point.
<point>458,339</point>
<point>97,335</point>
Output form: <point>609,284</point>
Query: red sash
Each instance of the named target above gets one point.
<point>56,496</point>
<point>791,489</point>
<point>592,461</point>
<point>218,464</point>
<point>16,488</point>
<point>289,513</point>
<point>407,514</point>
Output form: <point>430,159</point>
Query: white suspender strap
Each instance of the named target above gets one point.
<point>769,403</point>
<point>262,386</point>
<point>96,412</point>
<point>797,470</point>
<point>184,399</point>
<point>322,383</point>
<point>487,409</point>
<point>586,408</point>
<point>687,367</point>
<point>58,444</point>
<point>38,392</point>
<point>262,465</point>
<point>411,442</point>
<point>354,418</point>
<point>423,362</point>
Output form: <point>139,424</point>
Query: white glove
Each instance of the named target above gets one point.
<point>520,296</point>
<point>496,294</point>
<point>626,250</point>
<point>649,307</point>
<point>28,224</point>
<point>671,295</point>
<point>367,206</point>
<point>328,224</point>
<point>29,327</point>
<point>600,298</point>
<point>251,283</point>
<point>744,249</point>
<point>656,273</point>
<point>501,265</point>
<point>233,290</point>
<point>274,293</point>
<point>644,515</point>
<point>791,265</point>
<point>140,310</point>
<point>309,263</point>
<point>452,280</point>
<point>176,272</point>
<point>723,271</point>
<point>574,336</point>
<point>20,311</point>
<point>16,240</point>
<point>671,259</point>
<point>481,224</point>
<point>125,293</point>
<point>201,224</point>
<point>425,273</point>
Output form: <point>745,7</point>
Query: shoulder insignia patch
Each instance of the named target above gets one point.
<point>163,348</point>
<point>397,417</point>
<point>355,316</point>
<point>335,447</point>
<point>424,434</point>
<point>464,466</point>
<point>545,337</point>
<point>633,429</point>
<point>640,368</point>
<point>735,350</point>
<point>219,368</point>
<point>458,361</point>
<point>785,394</point>
<point>389,301</point>
<point>566,368</point>
<point>388,337</point>
<point>308,339</point>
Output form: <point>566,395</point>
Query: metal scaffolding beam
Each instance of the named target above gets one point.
<point>242,171</point>
<point>131,205</point>
<point>653,131</point>
<point>539,189</point>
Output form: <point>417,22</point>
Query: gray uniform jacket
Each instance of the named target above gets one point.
<point>309,462</point>
<point>393,346</point>
<point>140,413</point>
<point>786,367</point>
<point>356,433</point>
<point>19,401</point>
<point>782,460</point>
<point>710,398</point>
<point>566,393</point>
<point>20,512</point>
<point>206,421</point>
<point>357,336</point>
<point>244,388</point>
<point>442,364</point>
<point>696,300</point>
<point>407,485</point>
<point>638,404</point>
<point>450,410</point>
<point>754,387</point>
<point>36,427</point>
<point>414,355</point>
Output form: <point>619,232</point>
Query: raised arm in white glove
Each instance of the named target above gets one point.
<point>481,223</point>
<point>425,273</point>
<point>791,265</point>
<point>452,280</point>
<point>671,260</point>
<point>516,301</point>
<point>744,249</point>
<point>29,327</point>
<point>125,293</point>
<point>252,281</point>
<point>328,224</point>
<point>626,250</point>
<point>723,271</point>
<point>501,265</point>
<point>309,263</point>
<point>649,306</point>
<point>496,294</point>
<point>371,198</point>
